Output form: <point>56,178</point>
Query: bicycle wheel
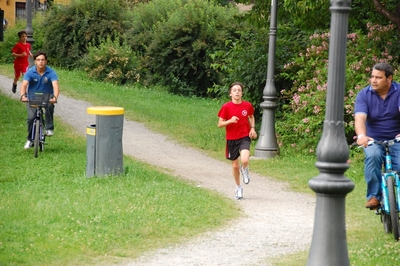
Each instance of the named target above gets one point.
<point>36,140</point>
<point>386,223</point>
<point>42,139</point>
<point>43,131</point>
<point>394,214</point>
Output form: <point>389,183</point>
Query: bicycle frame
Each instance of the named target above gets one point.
<point>389,172</point>
<point>39,101</point>
<point>38,129</point>
<point>39,115</point>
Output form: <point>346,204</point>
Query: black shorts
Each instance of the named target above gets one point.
<point>234,147</point>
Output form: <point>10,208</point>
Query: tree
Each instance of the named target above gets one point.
<point>390,10</point>
<point>312,14</point>
<point>69,29</point>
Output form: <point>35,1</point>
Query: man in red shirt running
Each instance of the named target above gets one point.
<point>20,52</point>
<point>237,116</point>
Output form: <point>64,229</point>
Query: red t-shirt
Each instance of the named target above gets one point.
<point>19,48</point>
<point>242,110</point>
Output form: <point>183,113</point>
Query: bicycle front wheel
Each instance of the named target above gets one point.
<point>387,226</point>
<point>394,214</point>
<point>36,140</point>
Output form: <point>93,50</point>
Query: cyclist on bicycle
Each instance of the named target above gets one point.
<point>40,78</point>
<point>377,116</point>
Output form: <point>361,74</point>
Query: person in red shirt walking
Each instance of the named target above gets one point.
<point>20,52</point>
<point>237,116</point>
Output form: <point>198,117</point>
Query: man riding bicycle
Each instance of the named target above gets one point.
<point>377,116</point>
<point>40,78</point>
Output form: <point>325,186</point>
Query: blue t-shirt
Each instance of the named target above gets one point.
<point>383,116</point>
<point>39,83</point>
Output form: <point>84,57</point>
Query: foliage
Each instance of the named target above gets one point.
<point>363,12</point>
<point>244,60</point>
<point>305,15</point>
<point>69,29</point>
<point>10,39</point>
<point>38,33</point>
<point>223,2</point>
<point>144,19</point>
<point>303,111</point>
<point>311,15</point>
<point>180,38</point>
<point>111,61</point>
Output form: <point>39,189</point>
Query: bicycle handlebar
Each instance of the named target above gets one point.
<point>380,142</point>
<point>51,99</point>
<point>384,142</point>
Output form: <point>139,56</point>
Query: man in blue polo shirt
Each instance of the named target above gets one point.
<point>377,116</point>
<point>40,78</point>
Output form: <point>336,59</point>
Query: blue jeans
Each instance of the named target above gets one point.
<point>374,158</point>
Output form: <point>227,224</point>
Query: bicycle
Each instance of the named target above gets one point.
<point>390,202</point>
<point>39,101</point>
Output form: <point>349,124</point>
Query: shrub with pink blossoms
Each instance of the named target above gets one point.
<point>304,103</point>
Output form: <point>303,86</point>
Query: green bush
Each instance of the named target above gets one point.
<point>10,39</point>
<point>111,62</point>
<point>246,60</point>
<point>144,18</point>
<point>69,29</point>
<point>38,33</point>
<point>180,37</point>
<point>304,109</point>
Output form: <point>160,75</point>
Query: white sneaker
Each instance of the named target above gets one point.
<point>49,133</point>
<point>239,193</point>
<point>245,175</point>
<point>28,144</point>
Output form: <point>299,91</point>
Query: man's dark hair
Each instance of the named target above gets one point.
<point>21,32</point>
<point>40,53</point>
<point>384,67</point>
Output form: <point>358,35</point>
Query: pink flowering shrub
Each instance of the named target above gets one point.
<point>301,122</point>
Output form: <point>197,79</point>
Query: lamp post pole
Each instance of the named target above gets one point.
<point>29,29</point>
<point>328,245</point>
<point>267,146</point>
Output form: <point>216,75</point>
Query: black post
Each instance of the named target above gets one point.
<point>2,26</point>
<point>29,29</point>
<point>267,145</point>
<point>329,246</point>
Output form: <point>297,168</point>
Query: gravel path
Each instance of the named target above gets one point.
<point>276,221</point>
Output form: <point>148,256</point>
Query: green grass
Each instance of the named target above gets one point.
<point>51,214</point>
<point>367,242</point>
<point>57,179</point>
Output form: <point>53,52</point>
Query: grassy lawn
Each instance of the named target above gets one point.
<point>51,214</point>
<point>54,214</point>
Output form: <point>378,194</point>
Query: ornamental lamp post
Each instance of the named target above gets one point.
<point>267,146</point>
<point>29,29</point>
<point>328,245</point>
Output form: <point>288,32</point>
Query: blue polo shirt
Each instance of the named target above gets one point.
<point>39,83</point>
<point>383,116</point>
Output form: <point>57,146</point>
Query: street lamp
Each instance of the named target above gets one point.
<point>328,245</point>
<point>267,146</point>
<point>29,29</point>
